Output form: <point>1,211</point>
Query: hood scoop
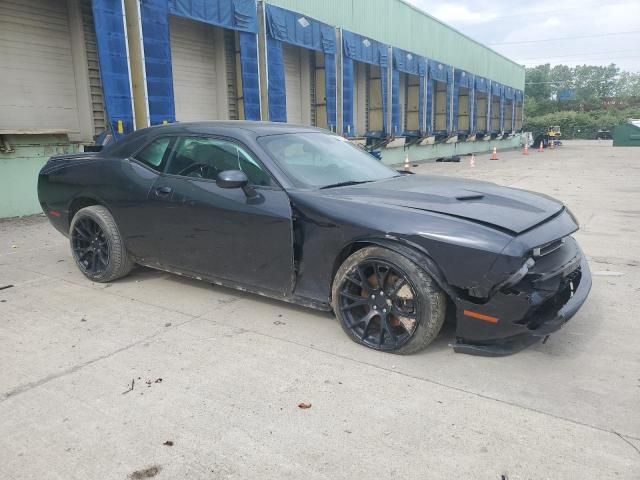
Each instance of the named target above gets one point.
<point>469,196</point>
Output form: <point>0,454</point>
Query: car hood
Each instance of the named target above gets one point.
<point>505,208</point>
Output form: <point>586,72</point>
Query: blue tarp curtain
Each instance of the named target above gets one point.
<point>297,29</point>
<point>482,84</point>
<point>465,80</point>
<point>438,72</point>
<point>233,14</point>
<point>496,89</point>
<point>509,93</point>
<point>358,48</point>
<point>411,64</point>
<point>157,60</point>
<point>114,67</point>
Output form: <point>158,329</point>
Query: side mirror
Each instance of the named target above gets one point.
<point>232,179</point>
<point>235,179</point>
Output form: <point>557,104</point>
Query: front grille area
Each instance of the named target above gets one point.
<point>549,308</point>
<point>550,283</point>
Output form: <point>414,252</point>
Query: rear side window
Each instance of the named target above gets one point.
<point>156,153</point>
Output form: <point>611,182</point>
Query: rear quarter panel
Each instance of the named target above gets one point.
<point>121,185</point>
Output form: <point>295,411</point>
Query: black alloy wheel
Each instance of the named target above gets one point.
<point>90,246</point>
<point>378,304</point>
<point>387,302</point>
<point>97,246</point>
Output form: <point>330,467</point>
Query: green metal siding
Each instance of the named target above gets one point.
<point>19,171</point>
<point>402,25</point>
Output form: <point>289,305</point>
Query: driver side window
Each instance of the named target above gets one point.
<point>204,157</point>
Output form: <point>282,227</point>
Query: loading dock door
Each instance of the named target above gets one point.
<point>518,116</point>
<point>508,115</point>
<point>199,70</point>
<point>374,98</point>
<point>440,106</point>
<point>37,84</point>
<point>495,113</point>
<point>463,110</point>
<point>412,103</point>
<point>360,99</point>
<point>297,73</point>
<point>319,103</point>
<point>409,97</point>
<point>482,105</point>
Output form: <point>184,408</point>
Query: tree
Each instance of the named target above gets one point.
<point>562,78</point>
<point>537,82</point>
<point>628,85</point>
<point>581,113</point>
<point>595,82</point>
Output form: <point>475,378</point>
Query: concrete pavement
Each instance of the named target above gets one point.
<point>221,373</point>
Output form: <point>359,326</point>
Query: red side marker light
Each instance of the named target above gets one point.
<point>480,316</point>
<point>54,213</point>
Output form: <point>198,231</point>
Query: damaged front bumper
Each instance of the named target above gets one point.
<point>518,317</point>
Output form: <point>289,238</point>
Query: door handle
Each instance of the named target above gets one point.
<point>163,191</point>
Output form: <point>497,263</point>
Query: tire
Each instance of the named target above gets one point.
<point>409,323</point>
<point>96,242</point>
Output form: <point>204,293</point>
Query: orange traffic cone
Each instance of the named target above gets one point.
<point>494,155</point>
<point>526,149</point>
<point>407,164</point>
<point>541,147</point>
<point>472,162</point>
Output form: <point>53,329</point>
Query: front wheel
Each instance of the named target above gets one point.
<point>97,246</point>
<point>386,302</point>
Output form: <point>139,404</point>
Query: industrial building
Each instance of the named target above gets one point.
<point>380,72</point>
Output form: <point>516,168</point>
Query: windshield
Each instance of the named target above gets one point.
<point>317,160</point>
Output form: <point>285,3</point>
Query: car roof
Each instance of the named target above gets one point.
<point>222,126</point>
<point>239,129</point>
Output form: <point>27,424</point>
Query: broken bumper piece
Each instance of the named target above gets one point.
<point>520,319</point>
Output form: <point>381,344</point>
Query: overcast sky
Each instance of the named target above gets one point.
<point>500,23</point>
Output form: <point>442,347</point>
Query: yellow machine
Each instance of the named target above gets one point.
<point>554,132</point>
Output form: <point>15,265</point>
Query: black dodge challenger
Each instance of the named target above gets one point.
<point>300,214</point>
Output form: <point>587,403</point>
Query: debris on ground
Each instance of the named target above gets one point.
<point>278,322</point>
<point>5,287</point>
<point>168,324</point>
<point>151,382</point>
<point>304,405</point>
<point>83,319</point>
<point>133,382</point>
<point>168,443</point>
<point>146,473</point>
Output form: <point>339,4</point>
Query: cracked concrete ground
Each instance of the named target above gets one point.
<point>81,395</point>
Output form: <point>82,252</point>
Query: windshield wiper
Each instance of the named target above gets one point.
<point>345,184</point>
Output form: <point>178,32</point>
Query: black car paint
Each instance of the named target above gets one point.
<point>287,242</point>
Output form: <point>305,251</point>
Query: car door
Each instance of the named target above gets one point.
<point>220,232</point>
<point>130,205</point>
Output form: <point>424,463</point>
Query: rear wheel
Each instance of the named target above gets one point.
<point>97,246</point>
<point>386,302</point>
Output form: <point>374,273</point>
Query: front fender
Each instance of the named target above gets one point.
<point>416,254</point>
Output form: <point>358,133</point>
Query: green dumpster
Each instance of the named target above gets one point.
<point>627,134</point>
